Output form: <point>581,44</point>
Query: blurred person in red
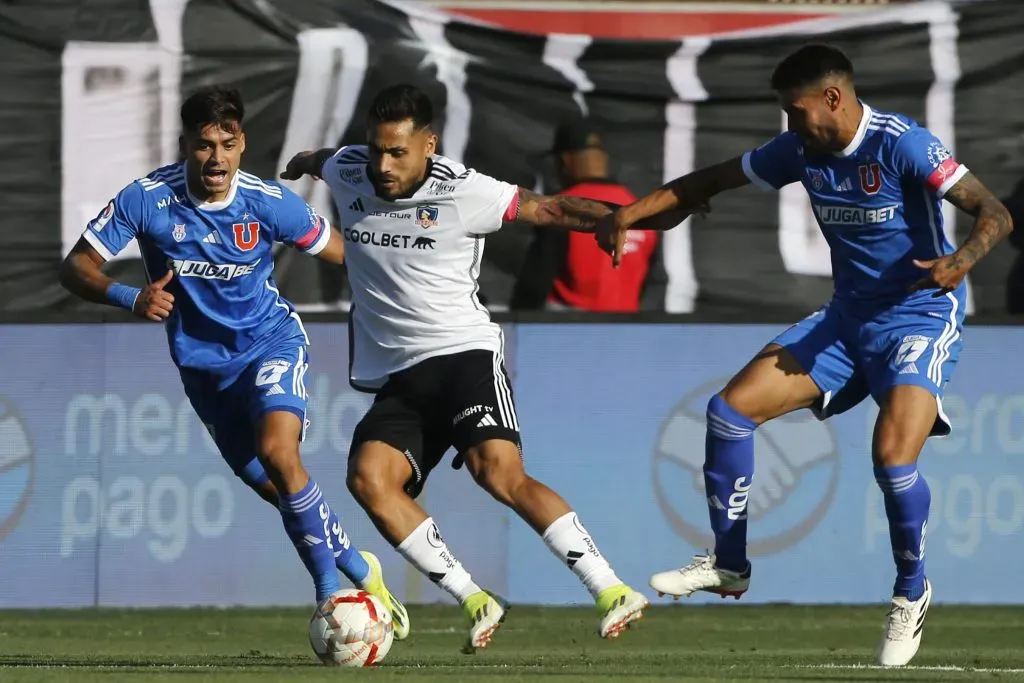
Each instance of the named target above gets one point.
<point>568,271</point>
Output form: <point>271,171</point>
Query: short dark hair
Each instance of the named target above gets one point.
<point>399,103</point>
<point>810,64</point>
<point>214,104</point>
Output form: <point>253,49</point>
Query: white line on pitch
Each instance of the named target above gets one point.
<point>965,669</point>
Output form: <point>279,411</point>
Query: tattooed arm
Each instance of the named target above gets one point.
<point>992,223</point>
<point>582,215</point>
<point>560,211</point>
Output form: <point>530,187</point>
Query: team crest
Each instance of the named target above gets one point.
<point>870,178</point>
<point>817,178</point>
<point>426,216</point>
<point>247,235</point>
<point>178,233</point>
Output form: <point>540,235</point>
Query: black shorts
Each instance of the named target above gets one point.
<point>459,400</point>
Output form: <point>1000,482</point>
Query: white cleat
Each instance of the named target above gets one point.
<point>701,575</point>
<point>903,629</point>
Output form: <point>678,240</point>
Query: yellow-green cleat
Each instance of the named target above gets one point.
<point>374,585</point>
<point>485,613</point>
<point>619,606</point>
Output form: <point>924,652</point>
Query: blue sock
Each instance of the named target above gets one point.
<point>346,556</point>
<point>728,473</point>
<point>305,515</point>
<point>907,499</point>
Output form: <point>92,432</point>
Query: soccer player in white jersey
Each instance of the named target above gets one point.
<point>414,226</point>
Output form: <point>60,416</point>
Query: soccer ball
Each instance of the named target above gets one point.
<point>351,628</point>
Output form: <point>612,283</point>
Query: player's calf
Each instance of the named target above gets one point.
<point>906,419</point>
<point>377,477</point>
<point>728,477</point>
<point>347,558</point>
<point>304,512</point>
<point>497,467</point>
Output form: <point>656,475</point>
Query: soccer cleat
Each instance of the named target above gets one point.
<point>702,575</point>
<point>903,628</point>
<point>374,585</point>
<point>619,606</point>
<point>485,612</point>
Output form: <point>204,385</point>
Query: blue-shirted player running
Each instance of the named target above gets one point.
<point>206,230</point>
<point>892,330</point>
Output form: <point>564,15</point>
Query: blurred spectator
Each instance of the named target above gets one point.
<point>566,270</point>
<point>1015,282</point>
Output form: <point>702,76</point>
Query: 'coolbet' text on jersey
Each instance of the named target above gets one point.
<point>413,263</point>
<point>879,205</point>
<point>878,202</point>
<point>227,309</point>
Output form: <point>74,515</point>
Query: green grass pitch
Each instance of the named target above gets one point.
<point>673,643</point>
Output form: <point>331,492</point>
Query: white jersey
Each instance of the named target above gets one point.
<point>413,263</point>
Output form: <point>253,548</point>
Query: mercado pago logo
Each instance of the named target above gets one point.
<point>17,468</point>
<point>795,477</point>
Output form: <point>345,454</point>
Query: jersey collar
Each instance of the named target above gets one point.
<point>212,206</point>
<point>862,130</point>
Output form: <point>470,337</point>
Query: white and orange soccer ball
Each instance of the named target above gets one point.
<point>351,628</point>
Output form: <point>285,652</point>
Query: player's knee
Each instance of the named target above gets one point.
<point>497,468</point>
<point>737,400</point>
<point>371,479</point>
<point>725,420</point>
<point>894,447</point>
<point>280,458</point>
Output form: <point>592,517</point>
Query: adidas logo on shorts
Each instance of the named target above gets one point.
<point>487,421</point>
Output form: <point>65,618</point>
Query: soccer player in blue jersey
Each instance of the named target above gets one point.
<point>206,231</point>
<point>876,181</point>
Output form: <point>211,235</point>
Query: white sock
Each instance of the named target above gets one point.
<point>426,550</point>
<point>573,545</point>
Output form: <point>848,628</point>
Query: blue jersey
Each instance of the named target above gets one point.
<point>227,309</point>
<point>878,202</point>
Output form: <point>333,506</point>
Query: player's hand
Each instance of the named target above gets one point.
<point>611,232</point>
<point>155,303</point>
<point>944,273</point>
<point>300,165</point>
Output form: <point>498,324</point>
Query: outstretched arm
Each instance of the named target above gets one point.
<point>686,193</point>
<point>583,215</point>
<point>560,211</point>
<point>992,223</point>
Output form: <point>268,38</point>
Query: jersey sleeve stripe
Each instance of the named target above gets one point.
<point>952,180</point>
<point>752,176</point>
<point>442,170</point>
<point>888,129</point>
<point>356,154</point>
<point>265,189</point>
<point>316,239</point>
<point>883,119</point>
<point>96,243</point>
<point>255,183</point>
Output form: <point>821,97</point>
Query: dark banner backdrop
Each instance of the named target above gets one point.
<point>92,91</point>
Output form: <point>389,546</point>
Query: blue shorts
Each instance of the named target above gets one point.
<point>274,381</point>
<point>851,353</point>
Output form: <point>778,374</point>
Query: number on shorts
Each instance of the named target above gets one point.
<point>911,349</point>
<point>271,372</point>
